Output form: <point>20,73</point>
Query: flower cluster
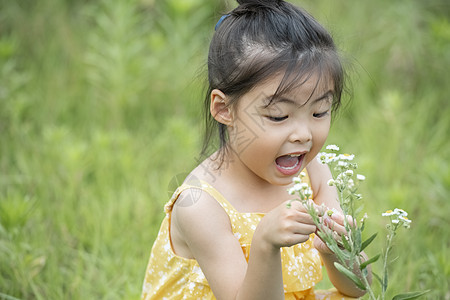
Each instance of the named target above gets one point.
<point>301,188</point>
<point>343,160</point>
<point>344,165</point>
<point>347,180</point>
<point>398,217</point>
<point>348,249</point>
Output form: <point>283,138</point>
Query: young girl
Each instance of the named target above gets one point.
<point>274,80</point>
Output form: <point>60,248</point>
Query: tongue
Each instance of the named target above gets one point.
<point>286,161</point>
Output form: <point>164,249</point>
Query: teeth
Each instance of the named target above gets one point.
<point>294,155</point>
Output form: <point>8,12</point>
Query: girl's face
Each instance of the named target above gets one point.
<point>276,140</point>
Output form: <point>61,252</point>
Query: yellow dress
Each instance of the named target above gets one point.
<point>169,276</point>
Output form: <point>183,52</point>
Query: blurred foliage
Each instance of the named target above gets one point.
<point>100,107</point>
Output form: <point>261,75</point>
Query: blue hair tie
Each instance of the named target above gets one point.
<point>220,21</point>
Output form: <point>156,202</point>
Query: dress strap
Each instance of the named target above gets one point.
<point>195,189</point>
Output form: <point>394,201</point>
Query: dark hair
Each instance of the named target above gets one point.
<point>261,38</point>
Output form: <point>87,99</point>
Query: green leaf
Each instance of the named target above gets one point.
<point>411,295</point>
<point>346,244</point>
<point>364,272</point>
<point>350,275</point>
<point>369,261</point>
<point>336,250</point>
<point>368,241</point>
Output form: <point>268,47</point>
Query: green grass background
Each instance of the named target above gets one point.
<point>100,107</point>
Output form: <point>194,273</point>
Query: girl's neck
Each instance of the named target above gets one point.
<point>242,188</point>
<point>232,169</point>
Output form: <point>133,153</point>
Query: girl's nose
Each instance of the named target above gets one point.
<point>300,133</point>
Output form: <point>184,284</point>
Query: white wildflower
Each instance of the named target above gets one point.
<point>338,181</point>
<point>321,157</point>
<point>360,177</point>
<point>350,183</point>
<point>301,188</point>
<point>405,219</point>
<point>297,187</point>
<point>400,212</point>
<point>332,147</point>
<point>342,163</point>
<point>364,218</point>
<point>326,158</point>
<point>388,213</point>
<point>348,173</point>
<point>346,157</point>
<point>320,160</point>
<point>296,180</point>
<point>331,182</point>
<point>304,186</point>
<point>308,192</point>
<point>406,222</point>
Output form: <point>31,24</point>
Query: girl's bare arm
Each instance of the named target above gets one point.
<point>205,229</point>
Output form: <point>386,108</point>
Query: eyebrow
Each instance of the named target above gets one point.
<point>283,99</point>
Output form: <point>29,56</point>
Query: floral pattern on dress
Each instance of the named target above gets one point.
<point>169,276</point>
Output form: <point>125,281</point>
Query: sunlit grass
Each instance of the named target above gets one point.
<point>100,109</point>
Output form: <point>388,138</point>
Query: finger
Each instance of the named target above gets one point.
<point>346,221</point>
<point>295,204</point>
<point>310,204</point>
<point>330,232</point>
<point>301,207</point>
<point>338,217</point>
<point>351,221</point>
<point>303,218</point>
<point>300,238</point>
<point>298,213</point>
<point>305,229</point>
<point>334,226</point>
<point>320,209</point>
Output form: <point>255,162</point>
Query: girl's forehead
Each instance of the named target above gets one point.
<point>268,95</point>
<point>303,87</point>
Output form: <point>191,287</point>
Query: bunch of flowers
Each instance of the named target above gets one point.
<point>348,248</point>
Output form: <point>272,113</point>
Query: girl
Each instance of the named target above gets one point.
<point>274,80</point>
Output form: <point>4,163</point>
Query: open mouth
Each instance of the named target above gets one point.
<point>289,164</point>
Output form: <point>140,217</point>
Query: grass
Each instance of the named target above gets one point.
<point>100,108</point>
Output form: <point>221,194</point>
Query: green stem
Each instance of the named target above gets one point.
<point>388,246</point>
<point>366,282</point>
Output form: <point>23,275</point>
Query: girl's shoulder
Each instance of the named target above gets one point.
<point>197,194</point>
<point>197,217</point>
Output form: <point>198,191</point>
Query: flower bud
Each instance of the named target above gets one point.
<point>349,173</point>
<point>360,177</point>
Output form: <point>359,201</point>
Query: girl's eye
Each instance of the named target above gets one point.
<point>320,115</point>
<point>277,119</point>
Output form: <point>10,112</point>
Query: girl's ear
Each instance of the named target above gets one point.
<point>219,108</point>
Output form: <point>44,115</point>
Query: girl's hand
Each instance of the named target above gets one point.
<point>335,224</point>
<point>286,225</point>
